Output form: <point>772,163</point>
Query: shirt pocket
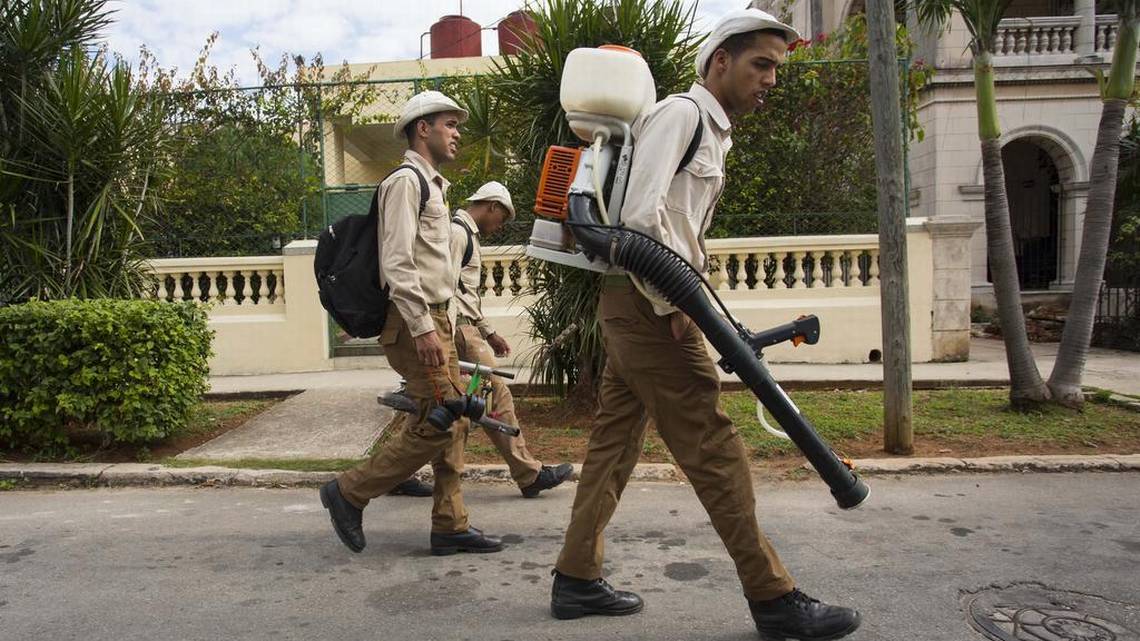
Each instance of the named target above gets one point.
<point>693,190</point>
<point>435,225</point>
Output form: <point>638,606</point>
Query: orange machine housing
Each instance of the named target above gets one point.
<point>558,171</point>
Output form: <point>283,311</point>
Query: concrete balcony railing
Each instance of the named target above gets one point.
<point>261,326</point>
<point>1050,40</point>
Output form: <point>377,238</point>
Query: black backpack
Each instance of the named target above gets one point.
<point>347,266</point>
<point>468,252</point>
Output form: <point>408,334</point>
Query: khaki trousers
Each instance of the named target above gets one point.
<point>419,442</point>
<point>473,348</point>
<point>649,375</point>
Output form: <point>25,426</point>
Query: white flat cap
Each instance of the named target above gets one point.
<point>739,21</point>
<point>425,103</point>
<point>494,191</point>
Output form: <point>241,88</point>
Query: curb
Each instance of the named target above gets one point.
<point>149,474</point>
<point>1040,463</point>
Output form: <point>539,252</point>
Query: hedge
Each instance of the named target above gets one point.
<point>127,370</point>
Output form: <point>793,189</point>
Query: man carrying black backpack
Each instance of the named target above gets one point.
<point>489,208</point>
<point>417,268</point>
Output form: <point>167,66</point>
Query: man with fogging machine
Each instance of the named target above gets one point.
<point>657,366</point>
<point>416,266</point>
<point>489,208</point>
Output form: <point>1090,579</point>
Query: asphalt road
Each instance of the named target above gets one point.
<point>230,563</point>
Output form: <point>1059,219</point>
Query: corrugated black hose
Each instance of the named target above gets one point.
<point>680,284</point>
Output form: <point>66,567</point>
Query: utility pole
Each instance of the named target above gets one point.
<point>898,427</point>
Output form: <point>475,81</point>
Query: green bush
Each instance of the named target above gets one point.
<point>120,370</point>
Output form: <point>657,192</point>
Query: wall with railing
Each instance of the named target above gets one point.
<point>267,317</point>
<point>1051,39</point>
<point>263,309</point>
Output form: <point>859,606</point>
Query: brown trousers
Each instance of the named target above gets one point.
<point>473,348</point>
<point>419,442</point>
<point>649,375</point>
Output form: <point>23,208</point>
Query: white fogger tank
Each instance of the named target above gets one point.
<point>603,90</point>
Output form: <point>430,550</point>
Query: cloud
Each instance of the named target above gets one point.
<point>358,31</point>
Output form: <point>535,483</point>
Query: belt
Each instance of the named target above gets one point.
<point>463,320</point>
<point>439,307</point>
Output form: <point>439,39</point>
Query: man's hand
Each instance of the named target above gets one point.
<point>430,349</point>
<point>499,344</point>
<point>679,324</point>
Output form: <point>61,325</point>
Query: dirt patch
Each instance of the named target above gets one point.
<point>949,423</point>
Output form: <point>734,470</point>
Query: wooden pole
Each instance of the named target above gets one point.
<point>894,296</point>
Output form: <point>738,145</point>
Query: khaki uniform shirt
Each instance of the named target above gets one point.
<point>468,303</point>
<point>677,208</point>
<point>415,251</point>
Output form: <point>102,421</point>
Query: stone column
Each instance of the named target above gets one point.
<point>950,240</point>
<point>1086,32</point>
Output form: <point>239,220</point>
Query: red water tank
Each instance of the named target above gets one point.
<point>456,37</point>
<point>512,30</point>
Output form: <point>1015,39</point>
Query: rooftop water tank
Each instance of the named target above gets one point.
<point>512,32</point>
<point>456,37</point>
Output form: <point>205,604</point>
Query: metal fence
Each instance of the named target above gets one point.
<point>1117,323</point>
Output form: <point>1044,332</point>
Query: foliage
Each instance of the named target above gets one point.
<point>1124,252</point>
<point>800,165</point>
<point>662,31</point>
<point>80,152</point>
<point>245,172</point>
<point>125,371</point>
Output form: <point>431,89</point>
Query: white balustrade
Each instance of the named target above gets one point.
<point>245,283</point>
<point>1049,39</point>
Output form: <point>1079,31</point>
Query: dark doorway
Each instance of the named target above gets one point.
<point>1033,185</point>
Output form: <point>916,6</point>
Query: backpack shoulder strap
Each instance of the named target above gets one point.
<point>695,142</point>
<point>374,209</point>
<point>470,250</point>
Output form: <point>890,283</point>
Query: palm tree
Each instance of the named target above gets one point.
<point>1027,389</point>
<point>563,317</point>
<point>79,149</point>
<point>1065,381</point>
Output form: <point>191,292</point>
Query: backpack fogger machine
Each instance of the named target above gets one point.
<point>578,223</point>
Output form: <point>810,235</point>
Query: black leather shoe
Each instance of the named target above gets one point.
<point>798,616</point>
<point>346,517</point>
<point>548,477</point>
<point>473,540</point>
<point>572,598</point>
<point>412,487</point>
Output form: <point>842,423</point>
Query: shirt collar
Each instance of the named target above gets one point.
<point>462,214</point>
<point>710,104</point>
<point>430,173</point>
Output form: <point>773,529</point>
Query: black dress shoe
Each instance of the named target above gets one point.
<point>798,616</point>
<point>548,477</point>
<point>412,487</point>
<point>572,598</point>
<point>346,517</point>
<point>473,540</point>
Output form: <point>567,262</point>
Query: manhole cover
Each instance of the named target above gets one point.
<point>1033,612</point>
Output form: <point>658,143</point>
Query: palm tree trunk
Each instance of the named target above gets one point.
<point>1026,387</point>
<point>1065,381</point>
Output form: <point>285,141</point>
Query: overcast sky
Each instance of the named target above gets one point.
<point>352,30</point>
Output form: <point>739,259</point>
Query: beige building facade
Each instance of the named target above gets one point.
<point>1049,109</point>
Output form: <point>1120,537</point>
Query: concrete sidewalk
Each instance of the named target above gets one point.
<point>337,415</point>
<point>1118,371</point>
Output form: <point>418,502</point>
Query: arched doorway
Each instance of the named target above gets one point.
<point>1033,185</point>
